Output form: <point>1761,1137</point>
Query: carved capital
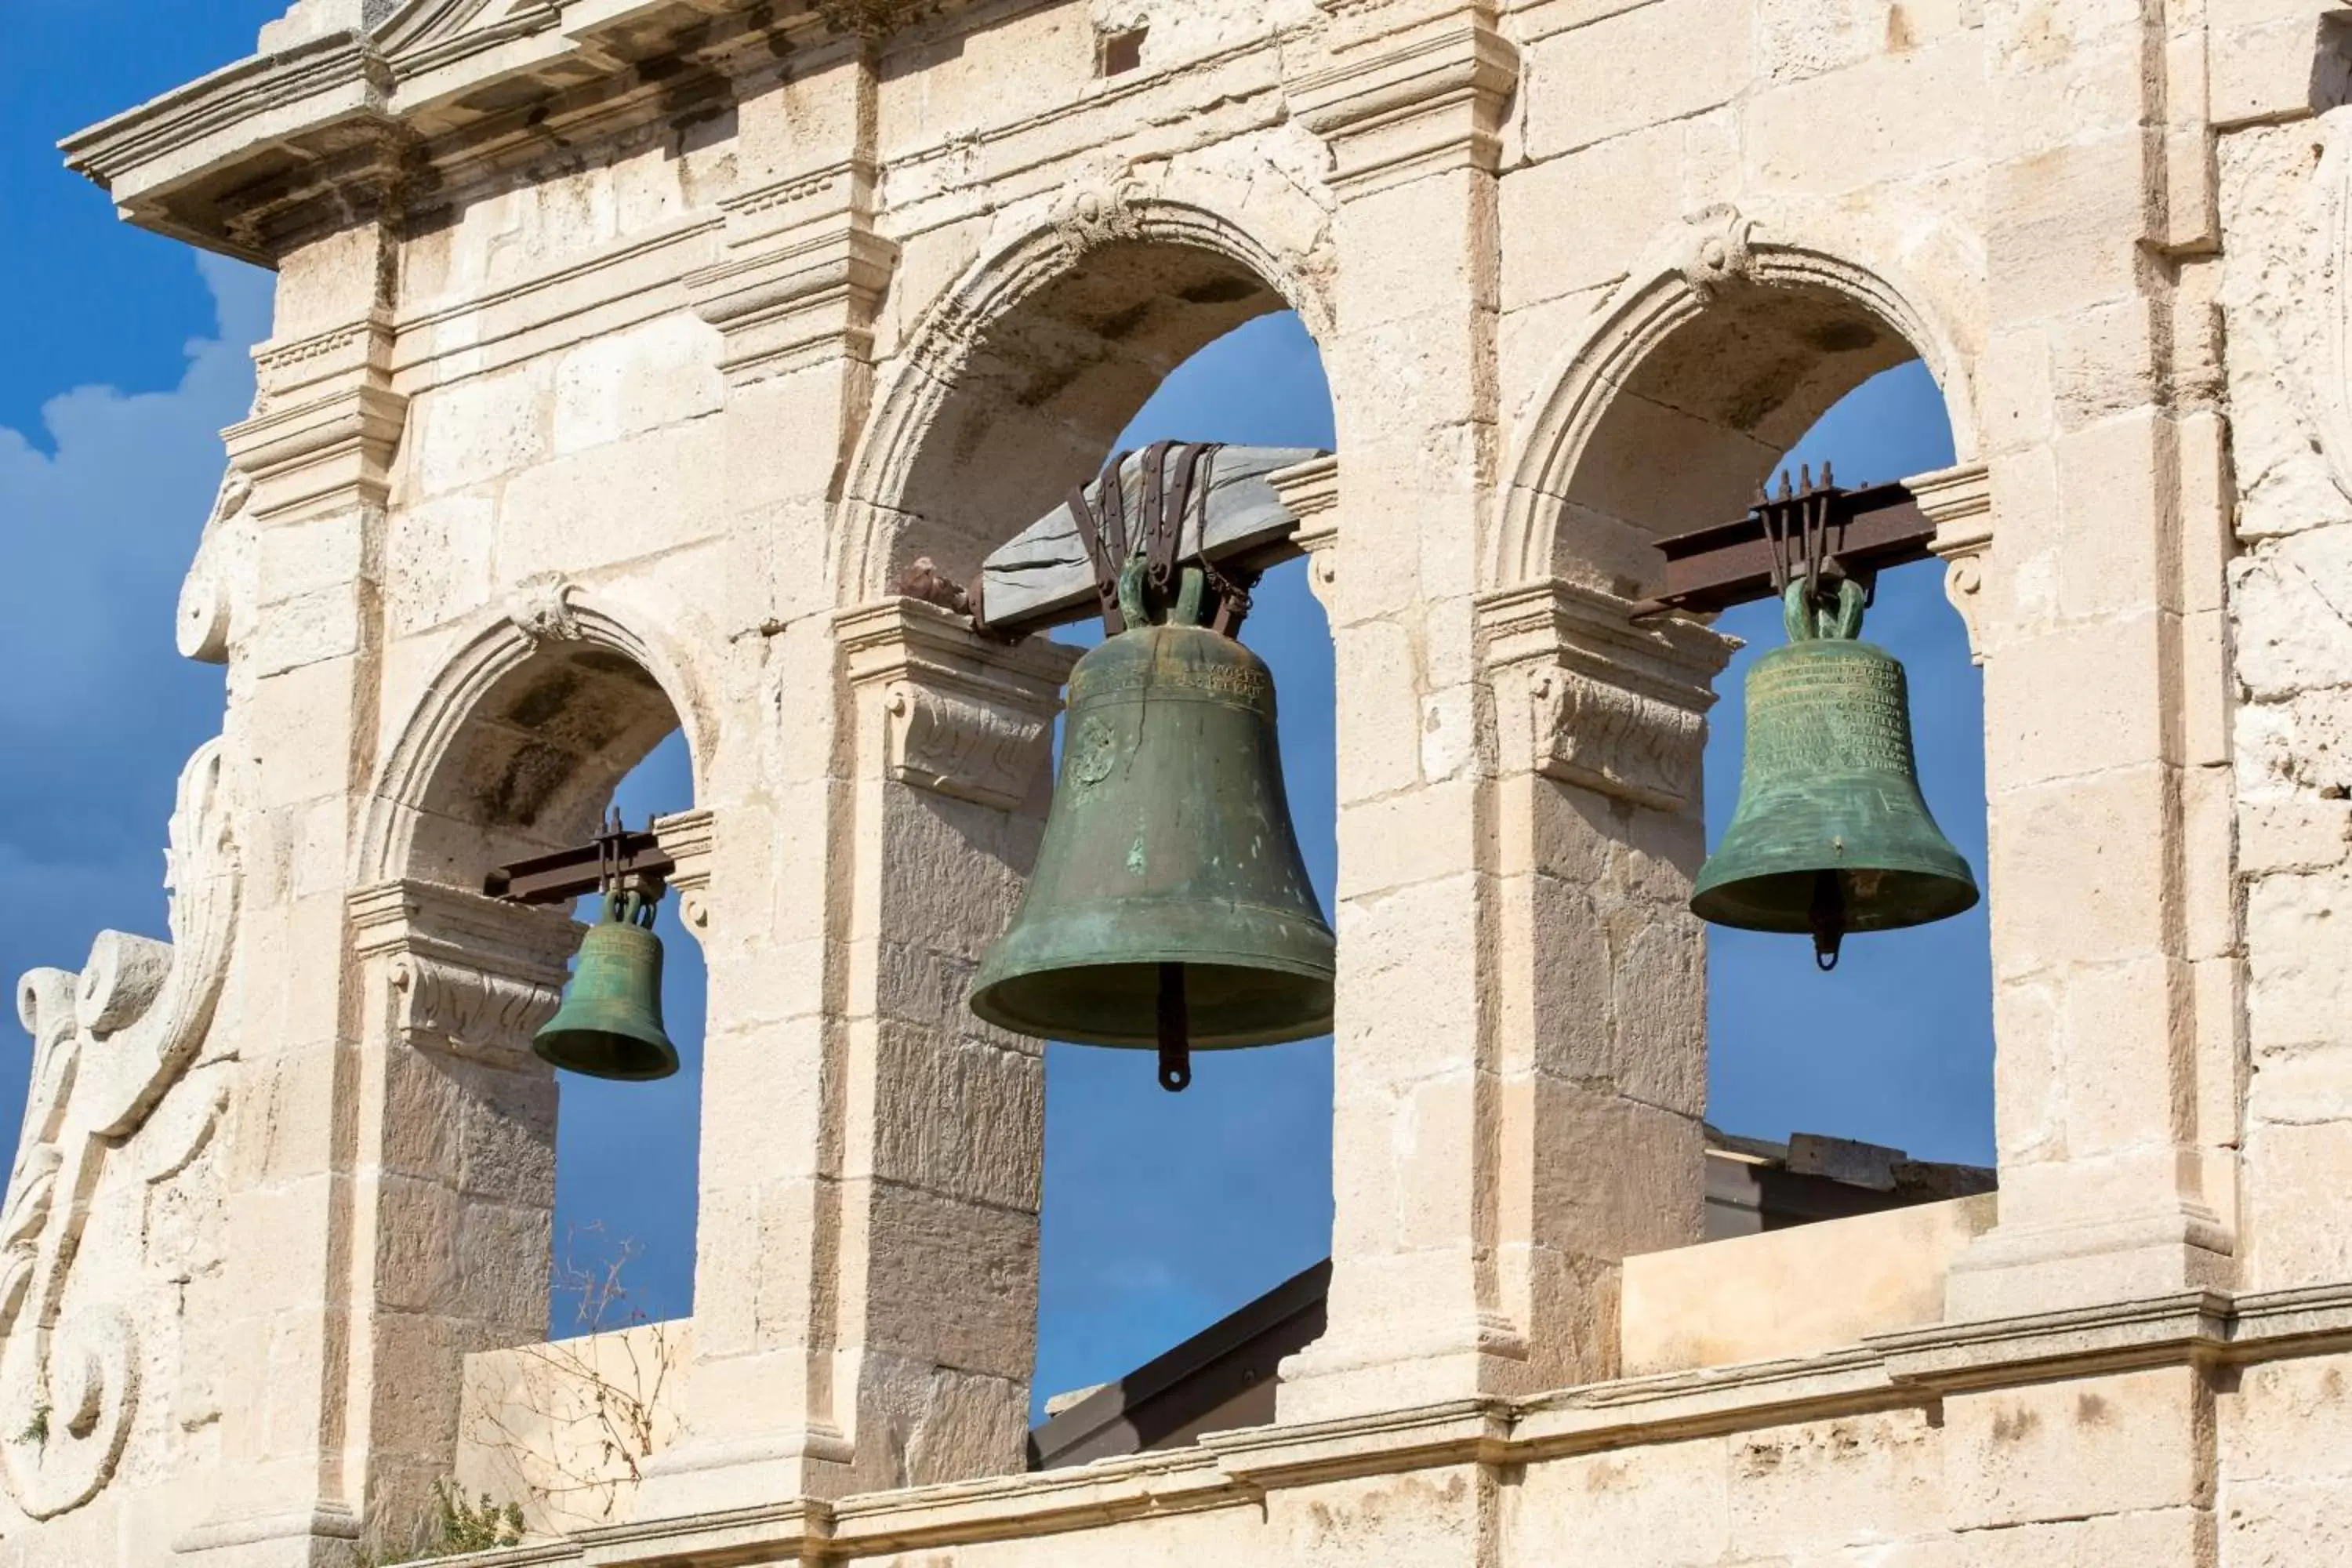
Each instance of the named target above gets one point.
<point>1958,501</point>
<point>1591,697</point>
<point>466,976</point>
<point>962,715</point>
<point>795,296</point>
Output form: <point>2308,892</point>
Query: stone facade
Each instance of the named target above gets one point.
<point>627,352</point>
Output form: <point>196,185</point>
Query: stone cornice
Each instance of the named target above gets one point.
<point>449,91</point>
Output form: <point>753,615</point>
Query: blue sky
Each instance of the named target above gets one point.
<point>128,355</point>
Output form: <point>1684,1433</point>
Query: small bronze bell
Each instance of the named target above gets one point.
<point>610,1025</point>
<point>1169,908</point>
<point>1831,833</point>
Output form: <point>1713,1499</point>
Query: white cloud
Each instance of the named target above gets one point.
<point>99,709</point>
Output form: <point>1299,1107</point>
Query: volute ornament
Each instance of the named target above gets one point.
<point>110,1045</point>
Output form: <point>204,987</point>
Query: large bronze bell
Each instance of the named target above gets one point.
<point>610,1025</point>
<point>1169,908</point>
<point>1831,833</point>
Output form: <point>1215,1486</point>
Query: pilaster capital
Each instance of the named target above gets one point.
<point>1412,104</point>
<point>1587,696</point>
<point>325,424</point>
<point>801,276</point>
<point>468,976</point>
<point>965,716</point>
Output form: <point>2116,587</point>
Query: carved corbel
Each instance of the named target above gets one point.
<point>1311,491</point>
<point>686,838</point>
<point>953,745</point>
<point>1958,501</point>
<point>1395,114</point>
<point>1599,700</point>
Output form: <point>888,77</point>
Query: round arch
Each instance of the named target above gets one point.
<point>1717,354</point>
<point>1017,378</point>
<point>522,734</point>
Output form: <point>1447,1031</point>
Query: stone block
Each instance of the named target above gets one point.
<point>2071,218</point>
<point>1636,68</point>
<point>1637,177</point>
<point>2130,1443</point>
<point>2289,611</point>
<point>2293,834</point>
<point>1759,1298</point>
<point>2085,836</point>
<point>663,372</point>
<point>1663,1505</point>
<point>485,427</point>
<point>1868,1482</point>
<point>2299,991</point>
<point>1892,118</point>
<point>2297,1230</point>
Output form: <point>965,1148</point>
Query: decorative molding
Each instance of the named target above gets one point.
<point>1958,501</point>
<point>207,597</point>
<point>1597,699</point>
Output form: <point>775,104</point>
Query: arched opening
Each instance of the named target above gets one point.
<point>1160,1212</point>
<point>591,1183</point>
<point>1895,1047</point>
<point>1164,1214</point>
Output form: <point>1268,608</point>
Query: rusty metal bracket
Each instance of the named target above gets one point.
<point>615,858</point>
<point>1855,533</point>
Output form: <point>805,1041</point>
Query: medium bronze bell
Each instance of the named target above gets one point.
<point>610,1025</point>
<point>1169,908</point>
<point>1831,833</point>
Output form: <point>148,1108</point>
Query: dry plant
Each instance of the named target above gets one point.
<point>582,1421</point>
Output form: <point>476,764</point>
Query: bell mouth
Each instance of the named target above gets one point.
<point>1877,898</point>
<point>1253,1001</point>
<point>597,1054</point>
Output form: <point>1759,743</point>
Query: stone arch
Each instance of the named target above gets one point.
<point>1720,350</point>
<point>1017,378</point>
<point>521,735</point>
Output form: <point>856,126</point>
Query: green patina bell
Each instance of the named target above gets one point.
<point>1169,908</point>
<point>1831,833</point>
<point>610,1025</point>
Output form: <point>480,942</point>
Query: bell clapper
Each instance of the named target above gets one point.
<point>1827,918</point>
<point>1175,1031</point>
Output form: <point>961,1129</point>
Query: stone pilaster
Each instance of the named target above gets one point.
<point>2104,676</point>
<point>1411,112</point>
<point>302,637</point>
<point>866,1297</point>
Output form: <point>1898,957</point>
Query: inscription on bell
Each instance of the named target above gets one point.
<point>1837,708</point>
